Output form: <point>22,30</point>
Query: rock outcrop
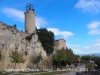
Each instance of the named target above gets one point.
<point>14,39</point>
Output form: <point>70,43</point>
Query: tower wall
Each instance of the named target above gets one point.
<point>30,21</point>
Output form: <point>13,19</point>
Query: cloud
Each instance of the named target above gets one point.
<point>94,48</point>
<point>78,51</point>
<point>88,5</point>
<point>18,15</point>
<point>14,14</point>
<point>94,25</point>
<point>87,47</point>
<point>76,48</point>
<point>98,44</point>
<point>97,41</point>
<point>73,45</point>
<point>94,32</point>
<point>40,22</point>
<point>57,32</point>
<point>91,48</point>
<point>94,28</point>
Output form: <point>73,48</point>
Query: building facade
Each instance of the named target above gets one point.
<point>59,44</point>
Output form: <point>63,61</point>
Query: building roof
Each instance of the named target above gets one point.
<point>60,39</point>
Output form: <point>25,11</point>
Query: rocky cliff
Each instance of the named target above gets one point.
<point>14,39</point>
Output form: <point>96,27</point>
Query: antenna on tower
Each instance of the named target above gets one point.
<point>29,7</point>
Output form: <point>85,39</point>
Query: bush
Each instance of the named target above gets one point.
<point>90,66</point>
<point>60,58</point>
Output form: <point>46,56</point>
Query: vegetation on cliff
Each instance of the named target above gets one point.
<point>47,39</point>
<point>16,58</point>
<point>35,59</point>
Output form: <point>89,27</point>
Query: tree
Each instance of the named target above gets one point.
<point>76,58</point>
<point>60,58</point>
<point>16,58</point>
<point>90,66</point>
<point>70,56</point>
<point>35,59</point>
<point>86,58</point>
<point>47,39</point>
<point>97,61</point>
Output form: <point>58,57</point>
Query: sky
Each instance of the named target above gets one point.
<point>77,21</point>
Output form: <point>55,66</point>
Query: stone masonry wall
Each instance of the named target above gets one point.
<point>59,44</point>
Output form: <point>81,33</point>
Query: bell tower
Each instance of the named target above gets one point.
<point>30,26</point>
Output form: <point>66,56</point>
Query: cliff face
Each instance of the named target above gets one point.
<point>13,39</point>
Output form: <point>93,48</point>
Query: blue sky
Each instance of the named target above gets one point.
<point>77,21</point>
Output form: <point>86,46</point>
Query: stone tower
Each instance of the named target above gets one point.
<point>30,26</point>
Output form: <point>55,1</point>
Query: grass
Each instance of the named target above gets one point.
<point>37,73</point>
<point>50,73</point>
<point>5,74</point>
<point>19,74</point>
